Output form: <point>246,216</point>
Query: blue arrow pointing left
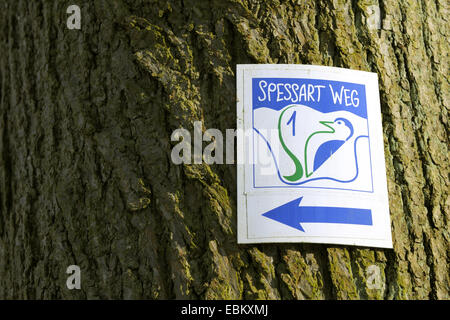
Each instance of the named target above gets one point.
<point>292,214</point>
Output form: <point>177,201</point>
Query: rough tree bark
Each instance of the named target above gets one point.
<point>85,124</point>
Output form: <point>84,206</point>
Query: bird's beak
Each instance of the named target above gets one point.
<point>328,125</point>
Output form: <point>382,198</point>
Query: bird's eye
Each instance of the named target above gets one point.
<point>339,122</point>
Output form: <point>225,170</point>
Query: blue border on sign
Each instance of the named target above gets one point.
<point>302,186</point>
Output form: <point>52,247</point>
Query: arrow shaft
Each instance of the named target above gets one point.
<point>334,215</point>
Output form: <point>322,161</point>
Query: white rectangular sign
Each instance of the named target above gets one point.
<point>310,156</point>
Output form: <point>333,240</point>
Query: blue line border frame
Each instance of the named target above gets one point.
<point>309,187</point>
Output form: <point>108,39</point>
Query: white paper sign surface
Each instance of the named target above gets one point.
<point>310,156</point>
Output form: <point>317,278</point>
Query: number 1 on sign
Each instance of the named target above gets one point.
<point>292,119</point>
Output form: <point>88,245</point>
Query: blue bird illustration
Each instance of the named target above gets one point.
<point>322,144</point>
<point>326,142</point>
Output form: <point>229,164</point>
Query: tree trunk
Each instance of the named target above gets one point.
<point>86,176</point>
